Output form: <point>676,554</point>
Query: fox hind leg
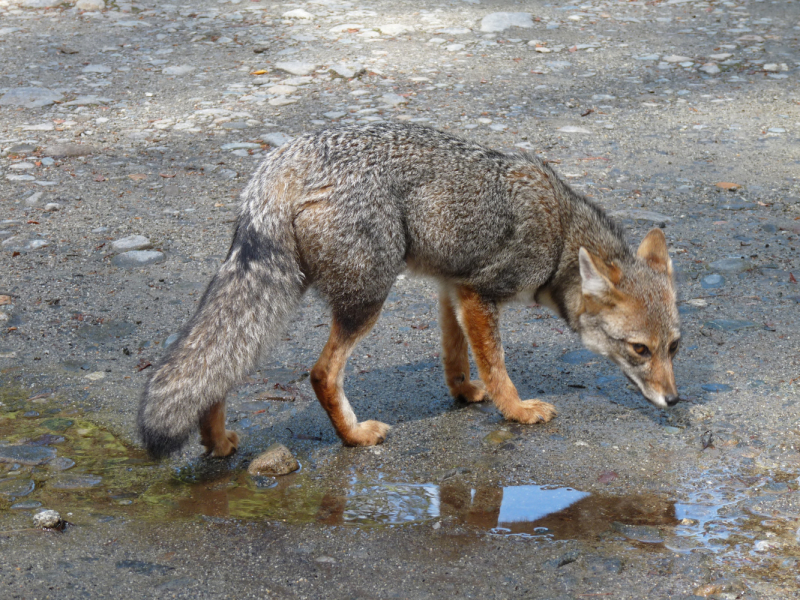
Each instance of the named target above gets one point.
<point>481,322</point>
<point>219,442</point>
<point>327,378</point>
<point>455,354</point>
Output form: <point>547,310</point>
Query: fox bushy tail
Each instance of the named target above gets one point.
<point>244,309</point>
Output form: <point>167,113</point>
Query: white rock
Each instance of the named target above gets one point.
<point>96,69</point>
<point>40,127</point>
<point>648,57</point>
<point>276,139</point>
<point>95,376</point>
<point>674,58</point>
<point>241,146</point>
<point>132,242</point>
<point>297,81</point>
<point>394,29</point>
<point>393,99</point>
<point>52,207</point>
<point>454,31</point>
<point>90,5</point>
<point>720,56</point>
<point>334,114</point>
<point>178,70</point>
<point>710,68</point>
<point>22,166</point>
<point>297,14</point>
<point>573,129</point>
<point>282,101</point>
<point>296,67</point>
<point>771,68</point>
<point>47,518</point>
<point>347,70</point>
<point>500,21</point>
<point>455,47</point>
<point>282,90</point>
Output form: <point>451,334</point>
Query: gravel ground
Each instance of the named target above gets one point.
<point>145,119</point>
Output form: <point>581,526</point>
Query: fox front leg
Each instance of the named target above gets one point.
<point>481,322</point>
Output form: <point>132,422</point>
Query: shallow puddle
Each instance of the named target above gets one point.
<point>52,457</point>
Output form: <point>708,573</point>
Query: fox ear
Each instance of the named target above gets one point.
<point>593,282</point>
<point>653,250</point>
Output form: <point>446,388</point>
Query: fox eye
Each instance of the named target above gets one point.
<point>641,349</point>
<point>673,347</point>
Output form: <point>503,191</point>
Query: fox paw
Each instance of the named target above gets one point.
<point>533,411</point>
<point>470,391</point>
<point>366,433</point>
<point>224,447</point>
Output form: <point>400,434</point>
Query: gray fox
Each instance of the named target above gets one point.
<point>346,210</point>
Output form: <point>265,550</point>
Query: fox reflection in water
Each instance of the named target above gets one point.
<point>561,513</point>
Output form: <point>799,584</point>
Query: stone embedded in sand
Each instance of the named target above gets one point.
<point>47,518</point>
<point>276,460</point>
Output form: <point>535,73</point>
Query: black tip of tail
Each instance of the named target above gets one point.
<point>159,445</point>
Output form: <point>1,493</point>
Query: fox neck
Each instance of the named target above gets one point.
<point>588,227</point>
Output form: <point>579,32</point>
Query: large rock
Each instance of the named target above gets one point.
<point>276,460</point>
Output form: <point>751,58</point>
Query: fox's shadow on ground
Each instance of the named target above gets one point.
<point>415,391</point>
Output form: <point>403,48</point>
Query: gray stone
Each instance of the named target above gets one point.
<point>178,70</point>
<point>16,487</point>
<point>296,67</point>
<point>709,282</point>
<point>730,324</point>
<point>276,139</point>
<point>96,69</point>
<point>393,29</point>
<point>500,21</point>
<point>276,460</point>
<point>30,97</point>
<point>132,242</point>
<point>47,518</point>
<point>138,258</point>
<point>393,99</point>
<point>27,455</point>
<point>75,482</point>
<point>731,265</point>
<point>69,150</point>
<point>61,464</point>
<point>347,70</point>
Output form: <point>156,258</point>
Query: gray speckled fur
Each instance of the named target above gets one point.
<point>346,210</point>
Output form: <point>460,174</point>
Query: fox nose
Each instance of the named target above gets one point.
<point>672,400</point>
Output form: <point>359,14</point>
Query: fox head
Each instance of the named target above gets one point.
<point>630,316</point>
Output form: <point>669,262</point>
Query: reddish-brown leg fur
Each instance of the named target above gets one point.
<point>481,322</point>
<point>327,378</point>
<point>218,441</point>
<point>455,354</point>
